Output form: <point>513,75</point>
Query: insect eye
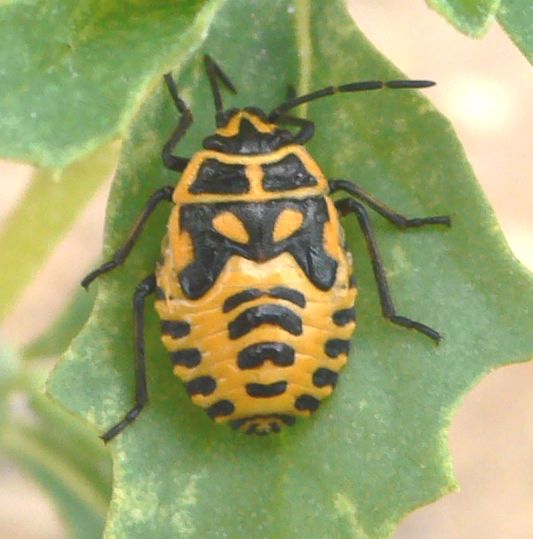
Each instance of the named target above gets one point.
<point>230,226</point>
<point>287,223</point>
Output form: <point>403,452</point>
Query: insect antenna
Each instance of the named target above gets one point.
<point>215,73</point>
<point>350,87</point>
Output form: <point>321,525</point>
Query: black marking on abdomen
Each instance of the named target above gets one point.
<point>274,427</point>
<point>324,377</point>
<point>255,355</point>
<point>336,347</point>
<point>287,420</point>
<point>344,316</point>
<point>278,292</point>
<point>220,409</point>
<point>189,357</point>
<point>266,390</point>
<point>203,385</point>
<point>282,292</point>
<point>306,402</point>
<point>175,328</point>
<point>241,297</point>
<point>265,314</point>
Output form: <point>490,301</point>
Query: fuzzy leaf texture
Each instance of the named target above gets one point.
<point>516,18</point>
<point>55,448</point>
<point>472,17</point>
<point>81,69</point>
<point>377,448</point>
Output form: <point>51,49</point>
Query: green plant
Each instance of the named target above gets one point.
<point>377,450</point>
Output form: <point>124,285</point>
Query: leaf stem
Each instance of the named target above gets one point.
<point>304,47</point>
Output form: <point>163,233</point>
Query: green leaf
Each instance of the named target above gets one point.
<point>58,337</point>
<point>82,507</point>
<point>9,377</point>
<point>516,18</point>
<point>73,74</point>
<point>472,17</point>
<point>47,210</point>
<point>377,448</point>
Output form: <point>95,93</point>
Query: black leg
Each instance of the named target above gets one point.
<point>144,288</point>
<point>384,210</point>
<point>123,251</point>
<point>291,92</point>
<point>307,128</point>
<point>347,206</point>
<point>214,74</point>
<point>171,161</point>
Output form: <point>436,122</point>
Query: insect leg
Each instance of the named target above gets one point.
<point>307,128</point>
<point>172,161</point>
<point>165,193</point>
<point>347,206</point>
<point>144,288</point>
<point>214,74</point>
<point>384,210</point>
<point>291,92</point>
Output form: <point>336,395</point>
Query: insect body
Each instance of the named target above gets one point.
<point>254,288</point>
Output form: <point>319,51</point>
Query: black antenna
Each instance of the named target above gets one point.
<point>351,87</point>
<point>215,73</point>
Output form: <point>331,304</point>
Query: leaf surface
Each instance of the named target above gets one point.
<point>57,338</point>
<point>516,18</point>
<point>54,448</point>
<point>377,448</point>
<point>48,209</point>
<point>472,17</point>
<point>82,69</point>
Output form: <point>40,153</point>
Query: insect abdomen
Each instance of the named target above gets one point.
<point>264,344</point>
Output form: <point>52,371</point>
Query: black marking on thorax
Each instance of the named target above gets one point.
<point>212,250</point>
<point>287,173</point>
<point>249,141</point>
<point>215,177</point>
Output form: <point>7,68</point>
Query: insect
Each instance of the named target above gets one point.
<point>254,288</point>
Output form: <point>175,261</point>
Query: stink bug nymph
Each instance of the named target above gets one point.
<point>255,288</point>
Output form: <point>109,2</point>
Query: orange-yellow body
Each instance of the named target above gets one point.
<point>209,322</point>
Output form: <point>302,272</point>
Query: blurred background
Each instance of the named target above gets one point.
<point>485,89</point>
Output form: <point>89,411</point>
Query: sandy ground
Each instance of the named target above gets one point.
<point>485,88</point>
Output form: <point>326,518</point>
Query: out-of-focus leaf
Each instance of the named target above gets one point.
<point>59,452</point>
<point>472,17</point>
<point>56,340</point>
<point>9,377</point>
<point>516,18</point>
<point>46,212</point>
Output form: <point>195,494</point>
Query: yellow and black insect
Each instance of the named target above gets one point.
<point>255,287</point>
